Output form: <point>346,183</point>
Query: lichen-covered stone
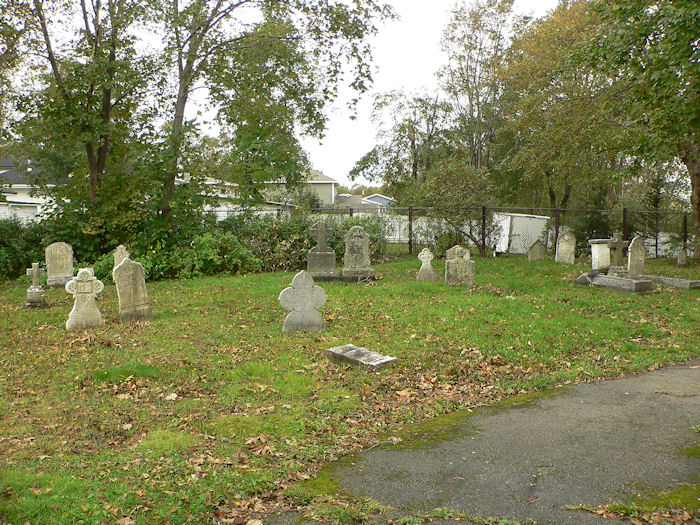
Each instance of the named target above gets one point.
<point>84,288</point>
<point>134,302</point>
<point>426,272</point>
<point>59,264</point>
<point>303,299</point>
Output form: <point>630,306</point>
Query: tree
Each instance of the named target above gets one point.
<point>652,48</point>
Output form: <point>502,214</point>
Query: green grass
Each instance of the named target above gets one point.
<point>90,429</point>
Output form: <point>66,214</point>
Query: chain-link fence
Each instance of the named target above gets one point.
<point>490,230</point>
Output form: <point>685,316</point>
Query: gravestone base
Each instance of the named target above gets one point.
<point>672,282</point>
<point>358,355</point>
<point>617,271</point>
<point>58,282</point>
<point>621,284</point>
<point>35,298</point>
<point>356,275</point>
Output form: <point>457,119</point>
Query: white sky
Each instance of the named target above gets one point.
<point>406,55</point>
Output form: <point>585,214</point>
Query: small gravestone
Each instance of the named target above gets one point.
<point>457,251</point>
<point>617,244</point>
<point>35,293</point>
<point>682,257</point>
<point>59,264</point>
<point>566,248</point>
<point>459,272</point>
<point>120,254</point>
<point>600,254</point>
<point>321,258</point>
<point>426,272</point>
<point>356,263</point>
<point>358,355</point>
<point>134,303</point>
<point>635,258</point>
<point>84,288</point>
<point>303,299</point>
<point>536,251</point>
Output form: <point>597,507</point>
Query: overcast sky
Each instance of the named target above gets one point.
<point>406,55</point>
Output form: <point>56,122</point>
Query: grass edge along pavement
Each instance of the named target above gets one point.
<point>210,413</point>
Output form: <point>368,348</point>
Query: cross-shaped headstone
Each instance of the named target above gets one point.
<point>304,299</point>
<point>84,288</point>
<point>321,232</point>
<point>617,244</point>
<point>36,273</point>
<point>426,272</point>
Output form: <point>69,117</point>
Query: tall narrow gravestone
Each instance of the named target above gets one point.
<point>321,259</point>
<point>84,288</point>
<point>59,264</point>
<point>566,248</point>
<point>35,293</point>
<point>457,251</point>
<point>536,251</point>
<point>459,272</point>
<point>304,299</point>
<point>119,255</point>
<point>635,258</point>
<point>682,256</point>
<point>426,272</point>
<point>134,303</point>
<point>356,263</point>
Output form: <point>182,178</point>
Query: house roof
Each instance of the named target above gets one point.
<point>316,176</point>
<point>379,196</point>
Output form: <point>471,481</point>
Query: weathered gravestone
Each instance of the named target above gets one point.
<point>303,299</point>
<point>635,258</point>
<point>59,264</point>
<point>459,272</point>
<point>600,254</point>
<point>457,251</point>
<point>566,248</point>
<point>356,264</point>
<point>682,257</point>
<point>358,355</point>
<point>617,245</point>
<point>35,293</point>
<point>426,272</point>
<point>134,303</point>
<point>120,254</point>
<point>84,288</point>
<point>536,251</point>
<point>321,258</point>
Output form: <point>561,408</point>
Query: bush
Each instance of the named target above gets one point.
<point>20,245</point>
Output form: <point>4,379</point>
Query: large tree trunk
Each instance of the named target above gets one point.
<point>690,155</point>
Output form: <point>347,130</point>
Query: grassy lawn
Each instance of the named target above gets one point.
<point>210,412</point>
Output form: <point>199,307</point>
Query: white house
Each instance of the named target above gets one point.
<point>17,194</point>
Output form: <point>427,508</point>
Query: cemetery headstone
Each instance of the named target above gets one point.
<point>635,258</point>
<point>134,302</point>
<point>358,355</point>
<point>321,258</point>
<point>617,244</point>
<point>303,299</point>
<point>426,272</point>
<point>682,257</point>
<point>356,264</point>
<point>120,254</point>
<point>566,248</point>
<point>59,264</point>
<point>600,254</point>
<point>536,251</point>
<point>35,293</point>
<point>459,272</point>
<point>457,251</point>
<point>84,288</point>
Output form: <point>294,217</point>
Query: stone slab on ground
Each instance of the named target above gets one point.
<point>358,355</point>
<point>585,444</point>
<point>621,284</point>
<point>672,282</point>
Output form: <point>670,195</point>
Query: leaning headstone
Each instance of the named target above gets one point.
<point>358,355</point>
<point>356,263</point>
<point>59,264</point>
<point>635,258</point>
<point>321,259</point>
<point>459,272</point>
<point>682,257</point>
<point>134,303</point>
<point>457,251</point>
<point>84,287</point>
<point>426,272</point>
<point>35,293</point>
<point>120,254</point>
<point>303,299</point>
<point>600,254</point>
<point>536,251</point>
<point>566,248</point>
<point>617,244</point>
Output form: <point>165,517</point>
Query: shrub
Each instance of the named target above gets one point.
<point>20,245</point>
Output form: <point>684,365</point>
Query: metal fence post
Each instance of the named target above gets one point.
<point>483,231</point>
<point>350,212</point>
<point>557,224</point>
<point>410,230</point>
<point>685,231</point>
<point>624,223</point>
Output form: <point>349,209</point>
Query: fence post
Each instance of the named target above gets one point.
<point>350,212</point>
<point>410,230</point>
<point>624,223</point>
<point>483,231</point>
<point>557,224</point>
<point>685,231</point>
